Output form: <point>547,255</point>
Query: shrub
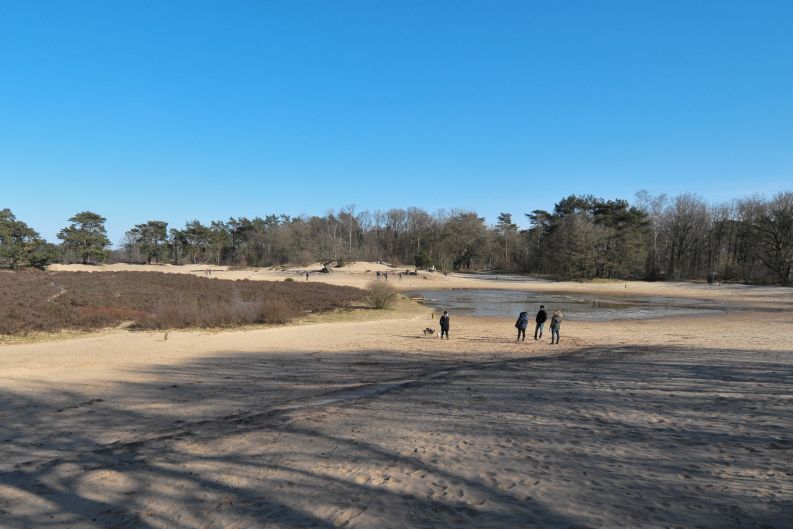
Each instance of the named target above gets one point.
<point>422,260</point>
<point>380,295</point>
<point>33,301</point>
<point>273,311</point>
<point>289,280</point>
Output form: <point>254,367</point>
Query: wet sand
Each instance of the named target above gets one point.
<point>674,422</point>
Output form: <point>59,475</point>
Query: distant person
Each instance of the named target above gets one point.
<point>556,322</point>
<point>378,273</point>
<point>521,325</point>
<point>306,276</point>
<point>541,318</point>
<point>444,321</point>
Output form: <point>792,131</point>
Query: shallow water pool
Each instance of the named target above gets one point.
<point>490,303</point>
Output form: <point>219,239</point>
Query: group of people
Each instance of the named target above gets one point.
<point>522,324</point>
<point>542,316</point>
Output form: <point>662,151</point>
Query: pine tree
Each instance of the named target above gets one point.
<point>86,237</point>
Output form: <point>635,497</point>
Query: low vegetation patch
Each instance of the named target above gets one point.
<point>380,295</point>
<point>33,301</point>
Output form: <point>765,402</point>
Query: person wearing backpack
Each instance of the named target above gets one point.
<point>521,324</point>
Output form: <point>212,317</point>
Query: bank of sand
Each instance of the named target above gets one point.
<point>370,424</point>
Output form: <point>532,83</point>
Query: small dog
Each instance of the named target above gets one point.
<point>429,332</point>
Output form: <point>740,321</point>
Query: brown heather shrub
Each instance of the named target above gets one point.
<point>276,312</point>
<point>106,316</point>
<point>33,301</point>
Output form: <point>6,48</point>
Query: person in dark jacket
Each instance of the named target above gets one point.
<point>541,318</point>
<point>556,323</point>
<point>521,324</point>
<point>444,321</point>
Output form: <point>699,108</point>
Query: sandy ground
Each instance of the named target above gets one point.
<point>655,423</point>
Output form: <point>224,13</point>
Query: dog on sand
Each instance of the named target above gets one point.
<point>429,332</point>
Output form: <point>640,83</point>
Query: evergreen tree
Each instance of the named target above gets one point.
<point>86,237</point>
<point>151,238</point>
<point>20,244</point>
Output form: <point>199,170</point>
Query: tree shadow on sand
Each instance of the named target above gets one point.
<point>625,437</point>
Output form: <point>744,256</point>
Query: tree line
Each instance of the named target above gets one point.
<point>655,238</point>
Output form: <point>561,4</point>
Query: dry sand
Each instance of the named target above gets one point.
<point>370,424</point>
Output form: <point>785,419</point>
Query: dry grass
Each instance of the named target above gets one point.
<point>32,301</point>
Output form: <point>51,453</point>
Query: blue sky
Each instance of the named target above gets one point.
<point>165,110</point>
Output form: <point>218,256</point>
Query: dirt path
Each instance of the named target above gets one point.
<point>61,292</point>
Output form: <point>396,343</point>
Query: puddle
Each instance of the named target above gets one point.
<point>508,303</point>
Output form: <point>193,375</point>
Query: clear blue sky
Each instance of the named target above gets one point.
<point>168,110</point>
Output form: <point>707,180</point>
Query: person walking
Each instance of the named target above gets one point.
<point>556,322</point>
<point>444,321</point>
<point>521,324</point>
<point>541,318</point>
